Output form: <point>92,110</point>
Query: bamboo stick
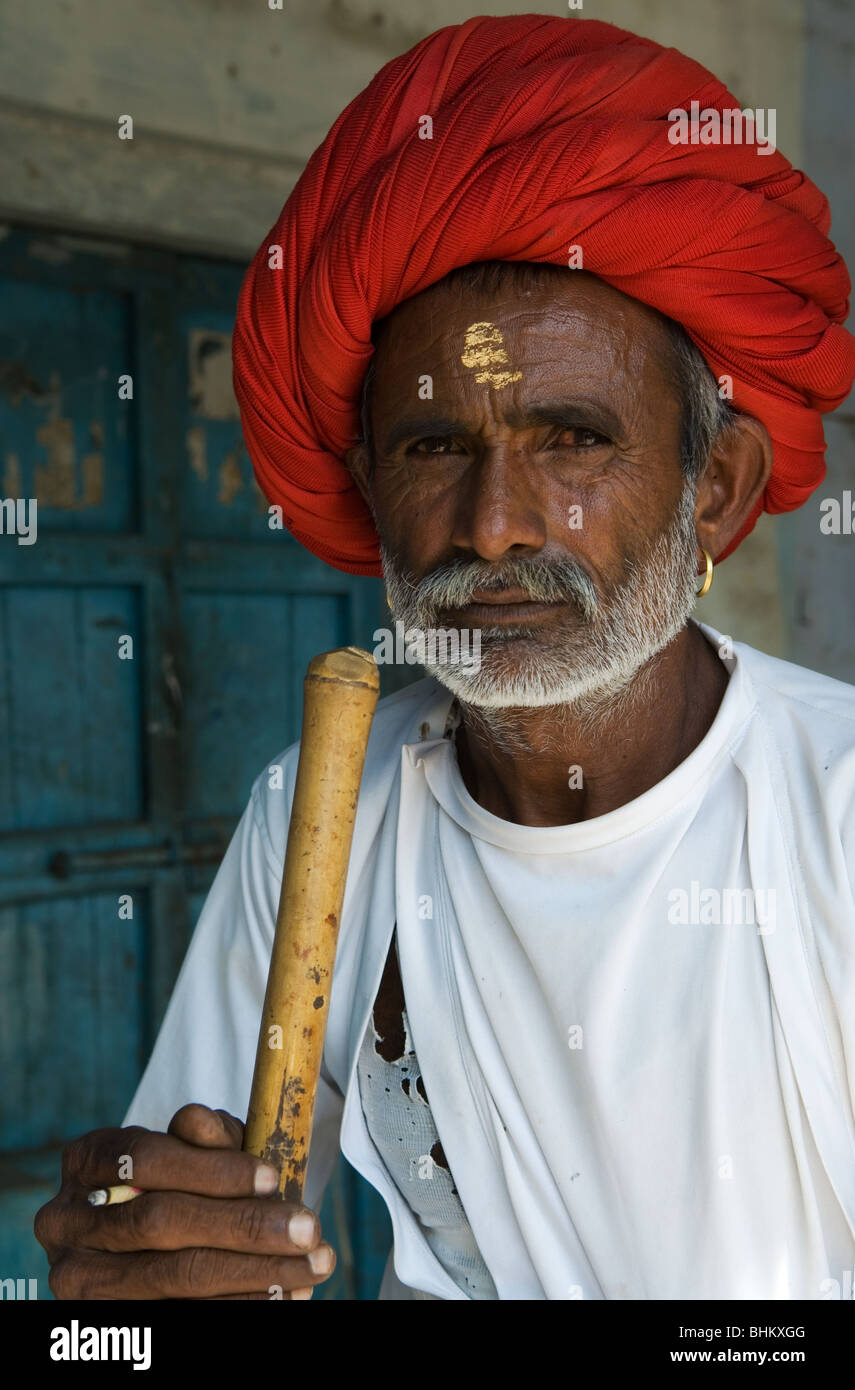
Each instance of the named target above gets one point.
<point>340,695</point>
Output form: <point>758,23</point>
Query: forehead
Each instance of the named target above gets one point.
<point>568,321</point>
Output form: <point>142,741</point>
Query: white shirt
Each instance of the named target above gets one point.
<point>637,1097</point>
<point>399,1119</point>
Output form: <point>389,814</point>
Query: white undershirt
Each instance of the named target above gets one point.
<point>626,1072</point>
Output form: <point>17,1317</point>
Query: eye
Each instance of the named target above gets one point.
<point>433,444</point>
<point>580,437</point>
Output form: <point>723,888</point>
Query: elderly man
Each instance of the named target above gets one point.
<point>591,1032</point>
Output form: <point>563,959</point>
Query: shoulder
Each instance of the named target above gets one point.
<point>411,715</point>
<point>821,708</point>
<point>807,726</point>
<point>810,720</point>
<point>807,739</point>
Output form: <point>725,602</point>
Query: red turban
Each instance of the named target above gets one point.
<point>547,132</point>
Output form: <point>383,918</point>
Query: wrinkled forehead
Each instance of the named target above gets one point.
<point>489,327</point>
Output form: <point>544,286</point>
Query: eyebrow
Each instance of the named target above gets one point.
<point>581,413</point>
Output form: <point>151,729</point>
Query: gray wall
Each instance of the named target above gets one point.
<point>818,571</point>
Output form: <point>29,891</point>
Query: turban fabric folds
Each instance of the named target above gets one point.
<point>546,133</point>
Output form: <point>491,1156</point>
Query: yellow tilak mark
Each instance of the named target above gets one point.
<point>484,347</point>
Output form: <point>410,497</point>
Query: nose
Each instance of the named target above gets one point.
<point>499,510</point>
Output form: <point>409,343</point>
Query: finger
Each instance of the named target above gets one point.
<point>160,1162</point>
<point>191,1274</point>
<point>179,1220</point>
<point>48,1224</point>
<point>209,1129</point>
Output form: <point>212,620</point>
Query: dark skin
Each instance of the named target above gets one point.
<point>498,484</point>
<point>198,1231</point>
<point>491,473</point>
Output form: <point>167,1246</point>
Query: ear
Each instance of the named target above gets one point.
<point>360,466</point>
<point>732,482</point>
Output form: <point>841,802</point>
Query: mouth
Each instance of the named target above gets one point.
<point>494,607</point>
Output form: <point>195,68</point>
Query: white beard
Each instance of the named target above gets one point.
<point>588,666</point>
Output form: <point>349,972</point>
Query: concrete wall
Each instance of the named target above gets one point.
<point>229,97</point>
<point>818,571</point>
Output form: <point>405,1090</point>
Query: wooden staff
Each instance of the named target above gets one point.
<point>340,694</point>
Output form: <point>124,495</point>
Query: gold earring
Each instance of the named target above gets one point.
<point>388,603</point>
<point>705,587</point>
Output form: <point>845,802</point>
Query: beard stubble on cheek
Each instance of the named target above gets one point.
<point>593,649</point>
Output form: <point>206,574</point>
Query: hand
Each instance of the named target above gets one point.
<point>204,1226</point>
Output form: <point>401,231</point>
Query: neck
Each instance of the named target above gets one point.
<point>557,765</point>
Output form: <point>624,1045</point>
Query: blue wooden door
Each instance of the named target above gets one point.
<point>153,642</point>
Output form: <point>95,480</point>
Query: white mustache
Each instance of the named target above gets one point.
<point>544,581</point>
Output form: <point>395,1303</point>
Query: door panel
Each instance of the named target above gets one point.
<point>69,712</point>
<point>121,780</point>
<point>220,497</point>
<point>242,654</point>
<point>72,1027</point>
<point>61,418</point>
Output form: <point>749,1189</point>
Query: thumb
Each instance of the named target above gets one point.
<point>206,1128</point>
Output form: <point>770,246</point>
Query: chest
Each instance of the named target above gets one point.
<point>389,1008</point>
<point>392,1042</point>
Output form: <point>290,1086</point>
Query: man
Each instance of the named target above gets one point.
<point>591,1030</point>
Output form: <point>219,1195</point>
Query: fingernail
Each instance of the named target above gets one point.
<point>321,1260</point>
<point>302,1293</point>
<point>266,1180</point>
<point>301,1229</point>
